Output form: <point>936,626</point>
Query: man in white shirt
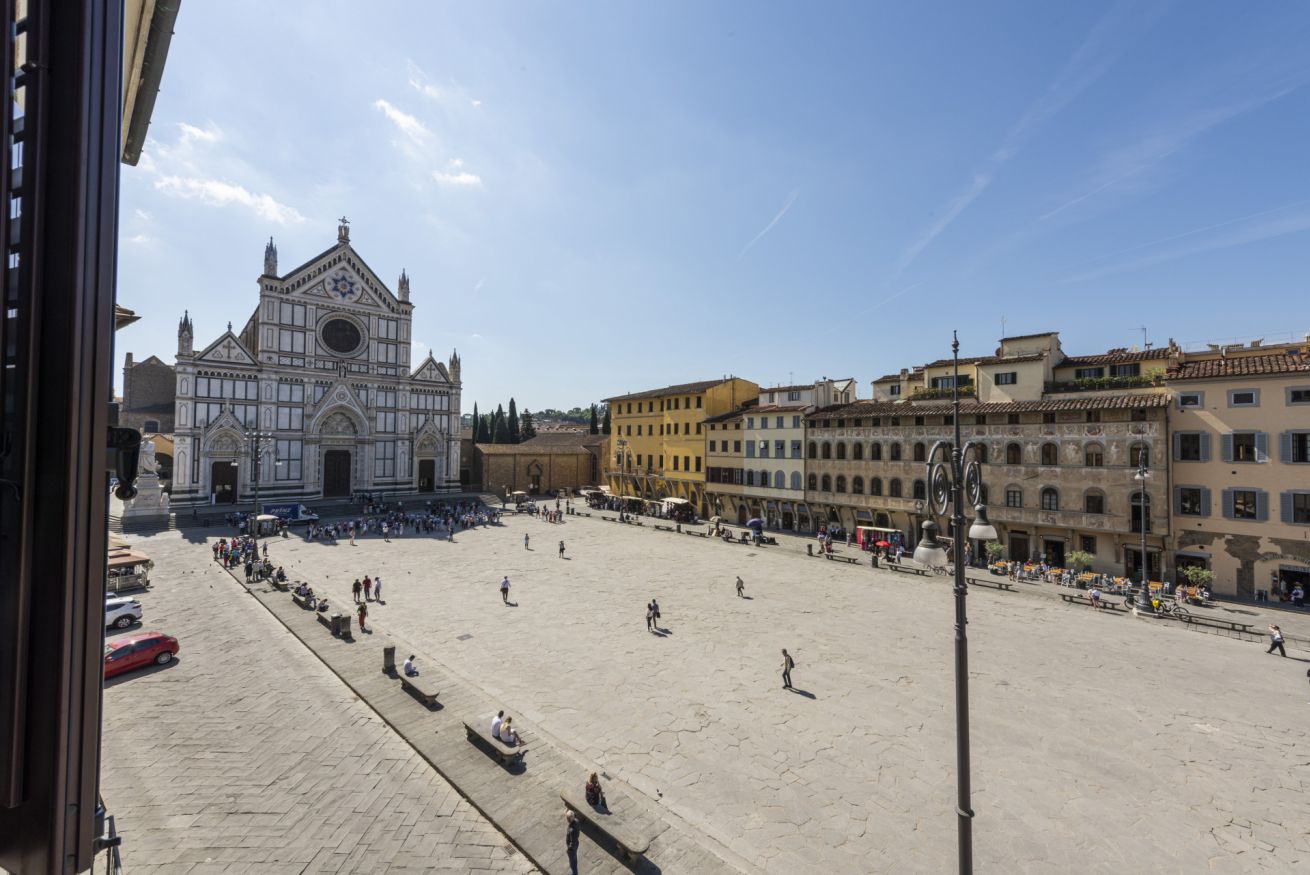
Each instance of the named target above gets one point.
<point>495,723</point>
<point>408,667</point>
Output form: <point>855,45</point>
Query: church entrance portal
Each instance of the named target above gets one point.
<point>223,480</point>
<point>427,475</point>
<point>336,473</point>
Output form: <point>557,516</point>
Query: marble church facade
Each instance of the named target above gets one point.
<point>320,384</point>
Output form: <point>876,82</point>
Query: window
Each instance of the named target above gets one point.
<point>894,389</point>
<point>918,420</point>
<point>675,462</point>
<point>1138,455</point>
<point>1141,512</point>
<point>1193,501</point>
<point>384,459</point>
<point>291,419</point>
<point>629,432</point>
<point>896,452</point>
<point>386,420</point>
<point>812,451</point>
<point>1050,454</point>
<point>795,449</point>
<point>857,485</point>
<point>920,452</point>
<point>779,480</point>
<point>750,422</point>
<point>793,396</point>
<point>290,341</point>
<point>638,460</point>
<point>841,483</point>
<point>1245,504</point>
<point>827,450</point>
<point>1094,456</point>
<point>1048,418</point>
<point>875,486</point>
<point>779,449</point>
<point>736,446</point>
<point>1131,370</point>
<point>686,463</point>
<point>1013,497</point>
<point>857,451</point>
<point>292,314</point>
<point>289,453</point>
<point>698,463</point>
<point>750,449</point>
<point>1011,419</point>
<point>1245,446</point>
<point>1088,544</point>
<point>388,353</point>
<point>875,452</point>
<point>1007,378</point>
<point>827,484</point>
<point>919,489</point>
<point>388,329</point>
<point>699,399</point>
<point>894,487</point>
<point>1013,454</point>
<point>764,422</point>
<point>1094,502</point>
<point>1296,508</point>
<point>841,449</point>
<point>1191,400</point>
<point>686,428</point>
<point>1088,373</point>
<point>1244,398</point>
<point>764,449</point>
<point>1093,416</point>
<point>1138,415</point>
<point>812,482</point>
<point>1296,447</point>
<point>1298,395</point>
<point>639,429</point>
<point>291,392</point>
<point>1050,498</point>
<point>795,422</point>
<point>795,479</point>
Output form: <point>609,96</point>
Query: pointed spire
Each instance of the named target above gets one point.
<point>270,258</point>
<point>454,366</point>
<point>185,334</point>
<point>403,286</point>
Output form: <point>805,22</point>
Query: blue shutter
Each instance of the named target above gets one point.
<point>1261,446</point>
<point>1286,501</point>
<point>1178,497</point>
<point>1228,503</point>
<point>1178,445</point>
<point>1228,447</point>
<point>1205,501</point>
<point>1261,505</point>
<point>1285,448</point>
<point>1205,446</point>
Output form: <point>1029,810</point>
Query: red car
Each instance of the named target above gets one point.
<point>136,651</point>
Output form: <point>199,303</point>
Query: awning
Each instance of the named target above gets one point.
<point>786,507</point>
<point>1198,554</point>
<point>266,518</point>
<point>675,501</point>
<point>802,508</point>
<point>772,505</point>
<point>126,558</point>
<point>863,515</point>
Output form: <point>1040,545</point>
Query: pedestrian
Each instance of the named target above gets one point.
<point>377,589</point>
<point>571,840</point>
<point>1276,640</point>
<point>655,610</point>
<point>368,589</point>
<point>363,613</point>
<point>741,588</point>
<point>504,590</point>
<point>561,549</point>
<point>525,540</point>
<point>650,617</point>
<point>352,535</point>
<point>355,589</point>
<point>386,532</point>
<point>787,665</point>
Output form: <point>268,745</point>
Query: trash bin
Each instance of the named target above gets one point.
<point>873,560</point>
<point>336,625</point>
<point>809,549</point>
<point>345,625</point>
<point>389,659</point>
<point>679,528</point>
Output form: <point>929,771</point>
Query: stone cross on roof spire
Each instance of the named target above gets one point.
<point>343,230</point>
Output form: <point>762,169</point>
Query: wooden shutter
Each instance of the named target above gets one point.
<point>1286,501</point>
<point>1285,448</point>
<point>1227,446</point>
<point>1178,445</point>
<point>1228,502</point>
<point>1205,501</point>
<point>1262,446</point>
<point>1261,505</point>
<point>1205,446</point>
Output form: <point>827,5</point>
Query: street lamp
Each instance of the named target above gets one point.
<point>1142,604</point>
<point>954,476</point>
<point>257,442</point>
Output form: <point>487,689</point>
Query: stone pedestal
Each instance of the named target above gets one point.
<point>151,500</point>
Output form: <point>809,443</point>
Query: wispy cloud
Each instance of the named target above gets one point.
<point>407,124</point>
<point>423,84</point>
<point>191,134</point>
<point>769,227</point>
<point>1281,221</point>
<point>1090,61</point>
<point>217,193</point>
<point>454,176</point>
<point>482,281</point>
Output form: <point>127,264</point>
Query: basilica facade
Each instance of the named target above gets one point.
<point>316,393</point>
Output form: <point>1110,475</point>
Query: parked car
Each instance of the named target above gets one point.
<point>136,651</point>
<point>122,611</point>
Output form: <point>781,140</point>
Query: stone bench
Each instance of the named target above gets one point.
<point>301,600</point>
<point>907,569</point>
<point>631,840</point>
<point>1219,623</point>
<point>664,528</point>
<point>420,688</point>
<point>505,754</point>
<point>851,559</point>
<point>1075,599</point>
<point>994,584</point>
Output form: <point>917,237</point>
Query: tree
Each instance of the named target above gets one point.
<point>499,426</point>
<point>1198,576</point>
<point>477,422</point>
<point>606,427</point>
<point>513,422</point>
<point>595,427</point>
<point>1077,559</point>
<point>527,428</point>
<point>995,550</point>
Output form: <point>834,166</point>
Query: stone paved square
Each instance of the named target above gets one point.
<point>1101,743</point>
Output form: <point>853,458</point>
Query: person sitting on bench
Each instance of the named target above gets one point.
<point>507,733</point>
<point>595,796</point>
<point>496,722</point>
<point>408,667</point>
<point>281,575</point>
<point>304,591</point>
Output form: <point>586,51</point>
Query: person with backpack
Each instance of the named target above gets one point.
<point>787,665</point>
<point>1276,640</point>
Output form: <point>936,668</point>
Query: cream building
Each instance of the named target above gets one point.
<point>322,368</point>
<point>1241,466</point>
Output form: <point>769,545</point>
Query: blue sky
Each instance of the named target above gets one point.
<point>596,198</point>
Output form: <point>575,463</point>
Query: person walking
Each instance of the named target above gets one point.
<point>571,840</point>
<point>655,611</point>
<point>1276,640</point>
<point>525,540</point>
<point>355,589</point>
<point>352,535</point>
<point>561,549</point>
<point>368,589</point>
<point>650,618</point>
<point>504,590</point>
<point>363,614</point>
<point>741,588</point>
<point>787,665</point>
<point>377,590</point>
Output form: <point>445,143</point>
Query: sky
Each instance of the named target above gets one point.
<point>595,198</point>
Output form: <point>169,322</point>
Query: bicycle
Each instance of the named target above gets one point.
<point>1164,608</point>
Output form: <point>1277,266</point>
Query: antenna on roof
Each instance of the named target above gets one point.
<point>1002,328</point>
<point>1144,343</point>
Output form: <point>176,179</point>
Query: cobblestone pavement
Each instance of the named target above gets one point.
<point>1101,743</point>
<point>248,755</point>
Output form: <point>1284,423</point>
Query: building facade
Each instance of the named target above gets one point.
<point>1241,466</point>
<point>658,438</point>
<point>542,465</point>
<point>323,368</point>
<point>149,395</point>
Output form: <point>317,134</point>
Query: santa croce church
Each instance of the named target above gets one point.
<point>316,394</point>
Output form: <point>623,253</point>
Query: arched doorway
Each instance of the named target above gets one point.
<point>742,514</point>
<point>336,473</point>
<point>223,481</point>
<point>338,434</point>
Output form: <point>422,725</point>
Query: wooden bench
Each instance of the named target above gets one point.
<point>420,688</point>
<point>907,569</point>
<point>851,559</point>
<point>994,584</point>
<point>506,755</point>
<point>1074,599</point>
<point>632,841</point>
<point>664,528</point>
<point>1220,623</point>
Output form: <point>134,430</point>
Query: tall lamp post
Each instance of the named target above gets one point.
<point>1142,604</point>
<point>954,477</point>
<point>257,442</point>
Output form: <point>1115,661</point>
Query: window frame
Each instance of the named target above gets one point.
<point>1233,402</point>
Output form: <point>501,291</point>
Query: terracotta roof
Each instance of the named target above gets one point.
<point>888,378</point>
<point>801,388</point>
<point>989,360</point>
<point>570,444</point>
<point>1113,357</point>
<point>1028,336</point>
<point>1290,362</point>
<point>969,406</point>
<point>680,389</point>
<point>748,407</point>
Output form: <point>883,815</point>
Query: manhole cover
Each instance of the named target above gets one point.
<point>466,636</point>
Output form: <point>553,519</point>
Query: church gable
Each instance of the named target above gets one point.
<point>228,349</point>
<point>339,395</point>
<point>431,371</point>
<point>341,277</point>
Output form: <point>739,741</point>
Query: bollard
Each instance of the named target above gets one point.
<point>809,549</point>
<point>345,626</point>
<point>336,625</point>
<point>389,659</point>
<point>679,528</point>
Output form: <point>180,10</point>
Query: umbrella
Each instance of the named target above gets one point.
<point>882,544</point>
<point>755,523</point>
<point>716,519</point>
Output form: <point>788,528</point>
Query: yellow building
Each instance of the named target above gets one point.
<point>657,442</point>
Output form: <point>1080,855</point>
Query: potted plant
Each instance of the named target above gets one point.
<point>1078,560</point>
<point>1201,578</point>
<point>995,552</point>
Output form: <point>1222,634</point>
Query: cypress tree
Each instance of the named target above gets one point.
<point>527,428</point>
<point>499,427</point>
<point>606,427</point>
<point>595,427</point>
<point>477,422</point>
<point>513,422</point>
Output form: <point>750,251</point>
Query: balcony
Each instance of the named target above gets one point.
<point>1100,384</point>
<point>925,393</point>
